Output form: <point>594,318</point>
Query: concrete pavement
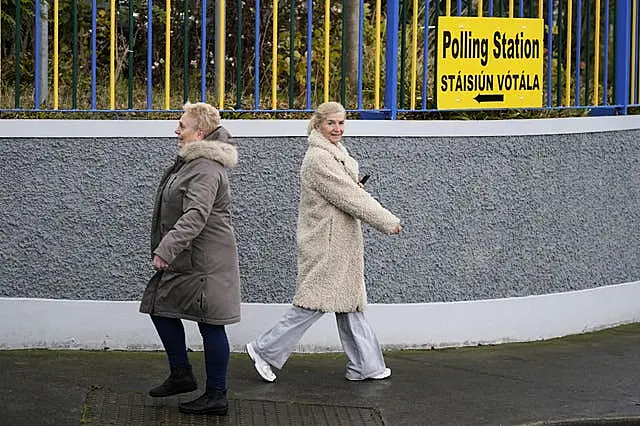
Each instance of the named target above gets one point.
<point>584,379</point>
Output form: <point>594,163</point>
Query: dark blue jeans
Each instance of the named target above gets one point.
<point>215,342</point>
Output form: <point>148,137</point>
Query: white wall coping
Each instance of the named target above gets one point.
<point>84,324</point>
<point>276,128</point>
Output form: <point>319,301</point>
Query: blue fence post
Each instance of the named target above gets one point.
<point>622,57</point>
<point>391,71</point>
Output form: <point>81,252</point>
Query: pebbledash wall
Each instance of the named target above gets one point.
<point>513,230</point>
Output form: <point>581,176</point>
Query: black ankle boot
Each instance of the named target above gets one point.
<point>213,401</point>
<point>180,380</point>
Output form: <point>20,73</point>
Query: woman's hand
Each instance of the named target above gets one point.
<point>159,263</point>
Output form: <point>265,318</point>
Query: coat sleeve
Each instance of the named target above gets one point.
<point>327,176</point>
<point>197,203</point>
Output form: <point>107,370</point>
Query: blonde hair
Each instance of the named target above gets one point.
<point>320,114</point>
<point>205,116</point>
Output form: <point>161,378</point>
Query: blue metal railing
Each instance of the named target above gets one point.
<point>614,89</point>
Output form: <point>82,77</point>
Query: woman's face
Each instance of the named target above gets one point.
<point>187,130</point>
<point>332,127</point>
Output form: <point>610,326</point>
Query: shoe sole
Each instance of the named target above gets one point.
<point>214,411</point>
<point>366,378</point>
<point>252,354</point>
<point>177,392</point>
<point>353,379</point>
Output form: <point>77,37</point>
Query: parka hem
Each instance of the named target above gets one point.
<point>228,321</point>
<point>329,311</point>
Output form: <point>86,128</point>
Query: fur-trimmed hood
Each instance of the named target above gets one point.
<point>222,152</point>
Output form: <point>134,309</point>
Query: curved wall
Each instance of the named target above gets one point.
<point>519,209</point>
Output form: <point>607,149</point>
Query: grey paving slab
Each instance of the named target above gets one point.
<point>108,407</point>
<point>587,379</point>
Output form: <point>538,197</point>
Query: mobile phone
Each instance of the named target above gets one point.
<point>364,179</point>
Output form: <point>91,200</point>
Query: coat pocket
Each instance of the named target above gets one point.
<point>202,300</point>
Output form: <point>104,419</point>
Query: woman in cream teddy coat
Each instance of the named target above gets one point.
<point>330,254</point>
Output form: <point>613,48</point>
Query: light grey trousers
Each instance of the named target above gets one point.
<point>359,342</point>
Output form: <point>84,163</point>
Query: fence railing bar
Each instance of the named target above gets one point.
<point>425,60</point>
<point>632,72</point>
<point>56,56</point>
<point>605,78</point>
<point>1,43</point>
<point>635,51</point>
<point>391,60</point>
<point>309,51</point>
<point>327,46</point>
<point>18,55</point>
<point>587,61</point>
<point>274,57</point>
<point>435,61</point>
<point>403,50</point>
<point>130,56</point>
<point>578,58</point>
<point>256,63</point>
<point>149,55</point>
<point>633,98</point>
<point>221,52</point>
<point>239,85</point>
<point>37,60</point>
<point>567,81</point>
<point>550,50</point>
<point>343,54</point>
<point>559,52</point>
<point>204,51</point>
<point>292,64</point>
<point>112,57</point>
<point>74,53</point>
<point>414,54</point>
<point>360,50</point>
<point>622,52</point>
<point>167,56</point>
<point>94,8</point>
<point>376,84</point>
<point>185,53</point>
<point>596,57</point>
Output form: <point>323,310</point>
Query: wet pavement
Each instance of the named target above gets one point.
<point>587,379</point>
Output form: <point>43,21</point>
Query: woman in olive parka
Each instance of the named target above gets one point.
<point>195,254</point>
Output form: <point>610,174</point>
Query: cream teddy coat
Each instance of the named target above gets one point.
<point>329,234</point>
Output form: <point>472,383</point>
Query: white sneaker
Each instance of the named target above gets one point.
<point>385,374</point>
<point>262,367</point>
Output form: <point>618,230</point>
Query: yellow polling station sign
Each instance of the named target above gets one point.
<point>489,62</point>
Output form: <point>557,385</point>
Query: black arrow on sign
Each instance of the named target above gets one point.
<point>489,98</point>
